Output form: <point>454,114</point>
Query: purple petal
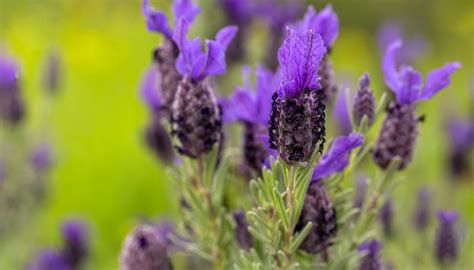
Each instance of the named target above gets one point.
<point>226,35</point>
<point>364,81</point>
<point>461,133</point>
<point>156,20</point>
<point>308,22</point>
<point>8,72</point>
<point>243,105</point>
<point>371,247</point>
<point>150,89</point>
<point>186,9</point>
<point>410,85</point>
<point>449,217</point>
<point>388,33</point>
<point>215,59</point>
<point>341,114</point>
<point>438,79</point>
<point>389,66</point>
<point>327,25</point>
<point>284,55</point>
<point>238,10</point>
<point>267,83</point>
<point>337,158</point>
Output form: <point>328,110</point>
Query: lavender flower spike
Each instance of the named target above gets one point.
<point>341,114</point>
<point>421,215</point>
<point>297,119</point>
<point>364,102</point>
<point>371,259</point>
<point>11,101</point>
<point>337,158</point>
<point>361,193</point>
<point>41,158</point>
<point>242,234</point>
<point>76,246</point>
<point>386,217</point>
<point>196,117</point>
<point>50,260</point>
<point>461,137</point>
<point>446,246</point>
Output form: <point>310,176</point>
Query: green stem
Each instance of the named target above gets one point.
<point>291,206</point>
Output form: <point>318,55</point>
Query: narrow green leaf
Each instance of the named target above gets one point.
<point>280,207</point>
<point>301,237</point>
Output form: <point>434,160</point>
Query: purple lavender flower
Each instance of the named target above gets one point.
<point>297,118</point>
<point>386,217</point>
<point>364,102</point>
<point>461,138</point>
<point>341,114</point>
<point>242,234</point>
<point>446,247</point>
<point>11,101</point>
<point>49,260</point>
<point>52,72</point>
<point>196,116</point>
<point>371,260</point>
<point>422,213</point>
<point>361,193</point>
<point>40,159</point>
<point>149,90</point>
<point>76,246</point>
<point>144,249</point>
<point>412,48</point>
<point>399,131</point>
<point>337,158</point>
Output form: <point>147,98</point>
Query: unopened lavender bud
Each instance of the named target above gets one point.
<point>11,101</point>
<point>371,260</point>
<point>361,193</point>
<point>52,72</point>
<point>421,216</point>
<point>446,245</point>
<point>397,137</point>
<point>318,209</point>
<point>255,151</point>
<point>386,218</point>
<point>159,141</point>
<point>196,118</point>
<point>76,246</point>
<point>297,121</point>
<point>242,234</point>
<point>144,250</point>
<point>364,102</point>
<point>50,260</point>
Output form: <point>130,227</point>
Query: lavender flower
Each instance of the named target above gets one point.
<point>461,138</point>
<point>150,90</point>
<point>341,114</point>
<point>76,246</point>
<point>364,102</point>
<point>50,260</point>
<point>421,215</point>
<point>11,101</point>
<point>52,72</point>
<point>361,193</point>
<point>325,23</point>
<point>371,260</point>
<point>399,131</point>
<point>318,209</point>
<point>165,56</point>
<point>242,234</point>
<point>40,159</point>
<point>196,116</point>
<point>144,249</point>
<point>446,247</point>
<point>386,217</point>
<point>297,118</point>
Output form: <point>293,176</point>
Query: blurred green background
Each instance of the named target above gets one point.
<point>103,171</point>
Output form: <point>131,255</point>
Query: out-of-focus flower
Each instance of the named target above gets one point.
<point>461,138</point>
<point>50,260</point>
<point>447,246</point>
<point>361,193</point>
<point>159,141</point>
<point>337,158</point>
<point>386,217</point>
<point>341,113</point>
<point>412,48</point>
<point>52,72</point>
<point>297,119</point>
<point>422,213</point>
<point>371,260</point>
<point>364,102</point>
<point>399,131</point>
<point>242,234</point>
<point>149,90</point>
<point>144,249</point>
<point>76,243</point>
<point>40,159</point>
<point>11,102</point>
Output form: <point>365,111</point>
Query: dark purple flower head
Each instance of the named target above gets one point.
<point>149,90</point>
<point>412,48</point>
<point>447,242</point>
<point>364,102</point>
<point>192,61</point>
<point>242,234</point>
<point>325,23</point>
<point>76,242</point>
<point>386,217</point>
<point>341,113</point>
<point>41,158</point>
<point>371,259</point>
<point>461,133</point>
<point>247,105</point>
<point>8,73</point>
<point>157,21</point>
<point>406,82</point>
<point>299,58</point>
<point>337,158</point>
<point>50,260</point>
<point>421,215</point>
